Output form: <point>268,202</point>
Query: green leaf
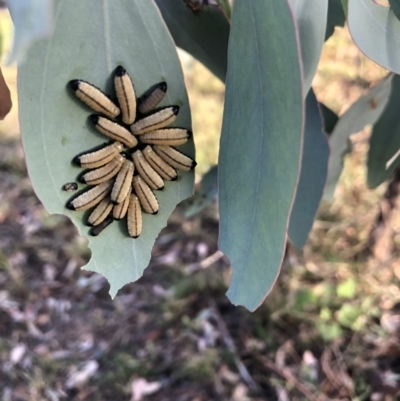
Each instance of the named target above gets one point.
<point>366,110</point>
<point>207,193</point>
<point>330,118</point>
<point>33,20</point>
<point>314,166</point>
<point>311,25</point>
<point>260,145</point>
<point>204,34</point>
<point>336,17</point>
<point>385,139</point>
<point>395,5</point>
<point>329,331</point>
<point>348,314</point>
<point>347,289</point>
<point>376,31</point>
<point>54,123</point>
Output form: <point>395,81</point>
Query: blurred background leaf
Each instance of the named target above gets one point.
<point>385,139</point>
<point>366,110</point>
<point>376,31</point>
<point>207,193</point>
<point>203,34</point>
<point>395,6</point>
<point>260,146</point>
<point>54,123</point>
<point>33,20</point>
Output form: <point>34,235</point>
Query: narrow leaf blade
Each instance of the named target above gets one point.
<point>385,139</point>
<point>312,177</point>
<point>260,145</point>
<point>311,17</point>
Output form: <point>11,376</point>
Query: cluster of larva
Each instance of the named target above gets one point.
<point>123,173</point>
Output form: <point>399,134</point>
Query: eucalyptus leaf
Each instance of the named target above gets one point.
<point>207,193</point>
<point>385,139</point>
<point>260,145</point>
<point>330,118</point>
<point>311,18</point>
<point>376,31</point>
<point>366,110</point>
<point>395,5</point>
<point>336,17</point>
<point>314,166</point>
<point>33,20</point>
<point>54,123</point>
<point>203,34</point>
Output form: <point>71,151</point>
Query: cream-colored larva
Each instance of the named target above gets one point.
<point>147,172</point>
<point>147,199</point>
<point>149,102</point>
<point>175,158</point>
<point>119,211</point>
<point>159,119</point>
<point>94,98</point>
<point>166,137</point>
<point>99,156</point>
<point>113,130</point>
<point>104,173</point>
<point>100,212</point>
<point>91,197</point>
<point>163,168</point>
<point>123,182</point>
<point>134,218</point>
<point>125,94</point>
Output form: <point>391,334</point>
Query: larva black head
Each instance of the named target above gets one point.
<point>75,84</point>
<point>175,178</point>
<point>155,213</point>
<point>175,110</point>
<point>194,164</point>
<point>94,118</point>
<point>162,86</point>
<point>135,236</point>
<point>70,205</point>
<point>81,177</point>
<point>120,71</point>
<point>77,161</point>
<point>161,188</point>
<point>189,134</point>
<point>96,230</point>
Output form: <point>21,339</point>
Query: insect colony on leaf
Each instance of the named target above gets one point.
<point>123,173</point>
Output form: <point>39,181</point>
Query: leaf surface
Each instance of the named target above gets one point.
<point>385,139</point>
<point>376,31</point>
<point>312,177</point>
<point>395,5</point>
<point>204,34</point>
<point>311,17</point>
<point>54,123</point>
<point>207,193</point>
<point>260,145</point>
<point>336,17</point>
<point>366,110</point>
